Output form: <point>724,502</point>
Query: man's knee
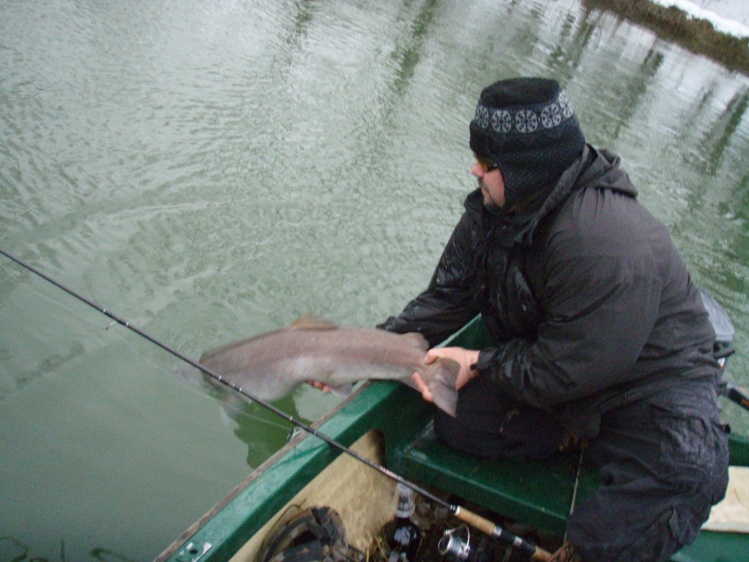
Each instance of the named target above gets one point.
<point>656,491</point>
<point>655,538</point>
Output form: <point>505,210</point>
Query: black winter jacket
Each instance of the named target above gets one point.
<point>589,300</point>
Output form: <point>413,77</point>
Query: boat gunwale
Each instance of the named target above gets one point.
<point>345,423</point>
<point>270,486</point>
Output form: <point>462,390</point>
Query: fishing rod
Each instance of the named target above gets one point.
<point>482,524</point>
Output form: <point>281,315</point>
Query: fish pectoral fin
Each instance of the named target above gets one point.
<point>311,321</point>
<point>343,390</point>
<point>441,378</point>
<point>447,370</point>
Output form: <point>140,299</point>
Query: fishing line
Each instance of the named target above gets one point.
<point>50,299</point>
<point>172,375</point>
<point>464,515</point>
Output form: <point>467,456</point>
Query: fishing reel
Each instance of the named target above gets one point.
<point>455,546</point>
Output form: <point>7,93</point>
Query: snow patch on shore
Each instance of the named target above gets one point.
<point>727,16</point>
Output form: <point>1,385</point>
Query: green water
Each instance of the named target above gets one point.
<point>210,170</point>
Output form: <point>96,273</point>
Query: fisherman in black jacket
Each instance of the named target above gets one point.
<point>601,335</point>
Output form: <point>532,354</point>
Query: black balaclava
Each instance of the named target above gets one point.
<point>528,128</point>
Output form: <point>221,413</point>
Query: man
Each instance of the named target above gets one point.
<point>601,335</point>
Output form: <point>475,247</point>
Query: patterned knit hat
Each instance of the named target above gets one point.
<point>528,128</point>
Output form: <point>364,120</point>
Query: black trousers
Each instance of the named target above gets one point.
<point>663,463</point>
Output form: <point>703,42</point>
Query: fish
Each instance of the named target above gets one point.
<point>269,366</point>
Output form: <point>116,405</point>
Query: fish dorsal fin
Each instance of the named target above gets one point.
<point>417,339</point>
<point>311,321</point>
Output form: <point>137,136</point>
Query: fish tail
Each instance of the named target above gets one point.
<point>441,377</point>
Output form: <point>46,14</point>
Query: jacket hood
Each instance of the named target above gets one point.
<point>594,169</point>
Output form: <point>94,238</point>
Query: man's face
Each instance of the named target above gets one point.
<point>491,183</point>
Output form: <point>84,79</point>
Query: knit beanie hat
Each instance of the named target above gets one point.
<point>528,128</point>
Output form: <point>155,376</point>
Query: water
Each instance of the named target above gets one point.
<point>210,170</point>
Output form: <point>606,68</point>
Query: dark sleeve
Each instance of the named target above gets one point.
<point>601,300</point>
<point>448,303</point>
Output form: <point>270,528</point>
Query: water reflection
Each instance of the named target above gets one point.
<point>407,57</point>
<point>717,137</point>
<point>634,92</point>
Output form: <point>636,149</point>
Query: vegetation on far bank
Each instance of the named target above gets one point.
<point>696,35</point>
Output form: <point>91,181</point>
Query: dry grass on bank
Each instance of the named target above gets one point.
<point>672,24</point>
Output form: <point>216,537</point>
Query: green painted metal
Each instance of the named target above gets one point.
<point>535,492</point>
<point>538,493</point>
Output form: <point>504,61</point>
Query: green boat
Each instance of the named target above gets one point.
<point>390,424</point>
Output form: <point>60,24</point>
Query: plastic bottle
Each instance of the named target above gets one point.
<point>402,534</point>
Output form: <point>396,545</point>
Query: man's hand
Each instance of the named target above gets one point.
<point>320,385</point>
<point>464,357</point>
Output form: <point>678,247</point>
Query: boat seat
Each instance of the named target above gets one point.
<point>536,492</point>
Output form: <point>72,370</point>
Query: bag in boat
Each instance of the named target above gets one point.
<point>315,534</point>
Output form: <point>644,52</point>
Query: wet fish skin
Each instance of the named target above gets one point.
<point>270,365</point>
